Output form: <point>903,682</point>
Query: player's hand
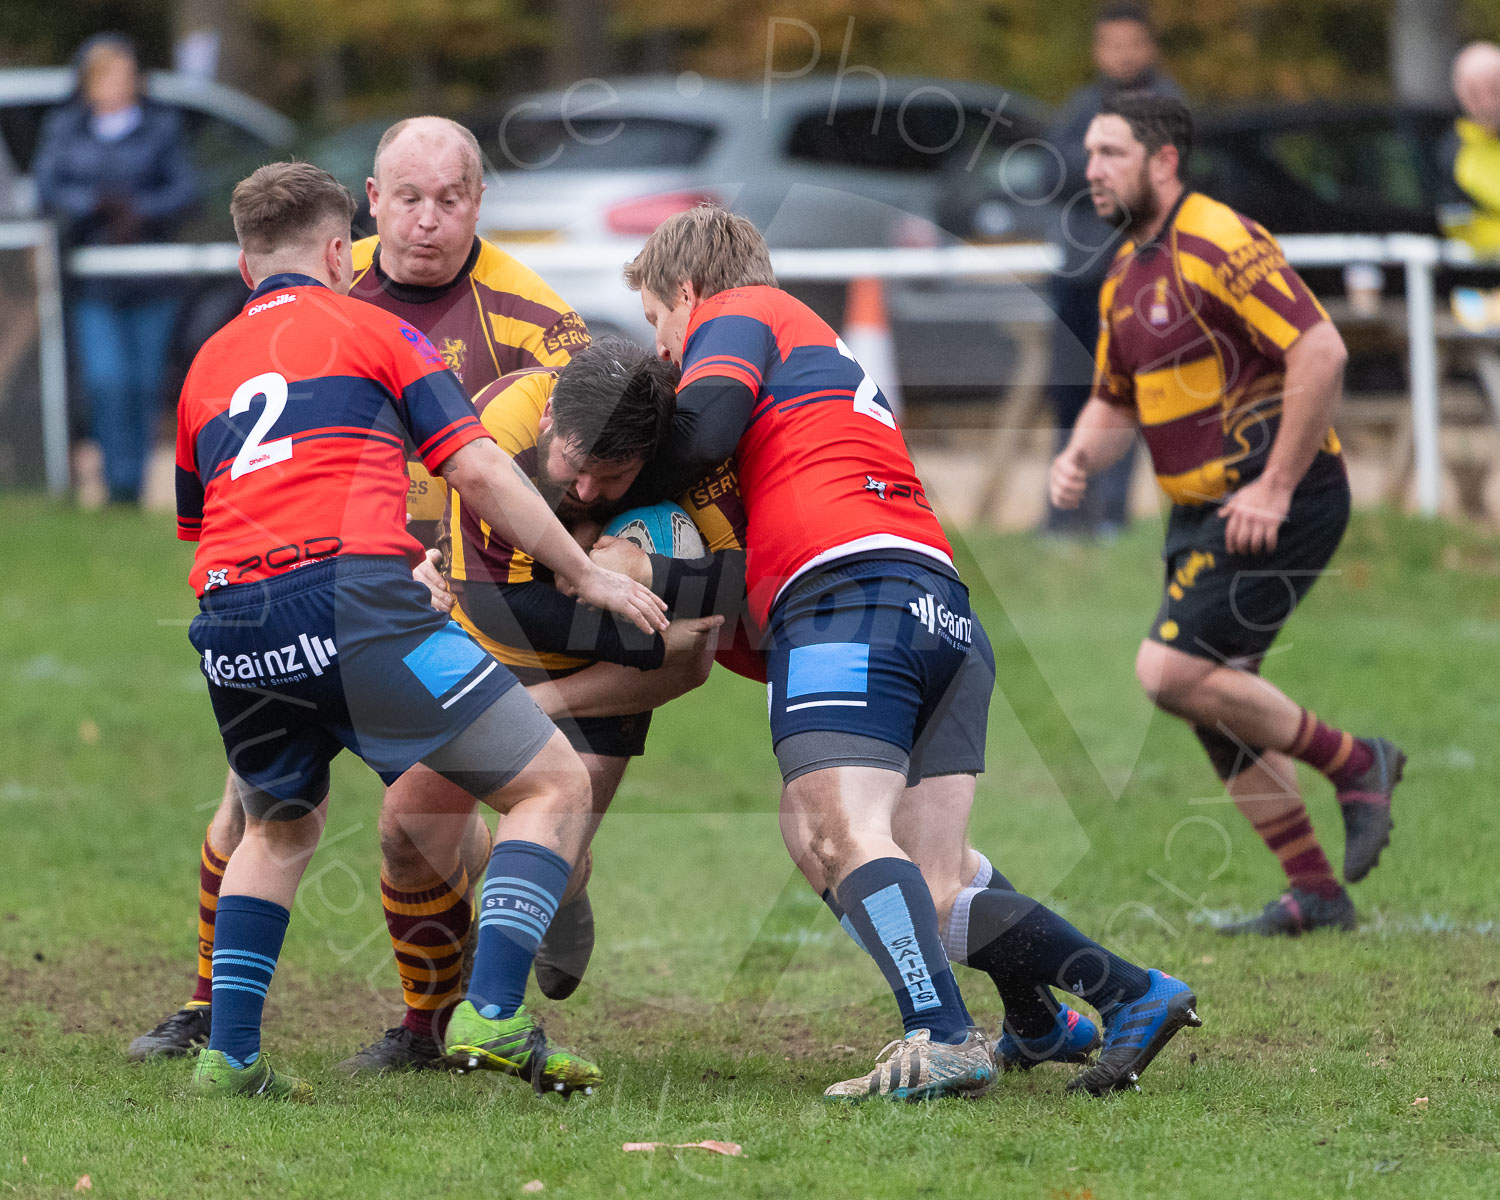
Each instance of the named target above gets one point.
<point>1067,480</point>
<point>691,644</point>
<point>426,573</point>
<point>620,594</point>
<point>1254,516</point>
<point>624,556</point>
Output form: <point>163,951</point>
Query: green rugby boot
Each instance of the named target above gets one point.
<point>516,1046</point>
<point>215,1075</point>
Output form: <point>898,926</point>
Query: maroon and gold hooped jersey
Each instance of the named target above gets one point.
<point>292,429</point>
<point>1194,329</point>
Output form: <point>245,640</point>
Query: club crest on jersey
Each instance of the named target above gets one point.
<point>877,486</point>
<point>1160,314</point>
<point>935,615</point>
<point>453,354</point>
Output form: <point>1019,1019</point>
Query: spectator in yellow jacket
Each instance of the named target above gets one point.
<point>1473,150</point>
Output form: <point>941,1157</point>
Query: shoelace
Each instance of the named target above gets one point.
<point>536,1063</point>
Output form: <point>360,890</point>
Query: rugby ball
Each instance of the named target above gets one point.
<point>663,528</point>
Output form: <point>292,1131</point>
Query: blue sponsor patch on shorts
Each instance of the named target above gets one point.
<point>828,667</point>
<point>445,658</point>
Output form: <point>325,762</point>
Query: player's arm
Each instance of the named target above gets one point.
<point>504,499</point>
<point>537,616</point>
<point>1101,435</point>
<point>189,482</point>
<point>713,584</point>
<point>1105,428</point>
<point>1283,315</point>
<point>711,415</point>
<point>1314,383</point>
<point>612,690</point>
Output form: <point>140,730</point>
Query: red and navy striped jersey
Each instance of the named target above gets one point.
<point>292,428</point>
<point>823,470</point>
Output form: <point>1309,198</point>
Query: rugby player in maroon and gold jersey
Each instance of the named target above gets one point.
<point>1213,348</point>
<point>867,634</point>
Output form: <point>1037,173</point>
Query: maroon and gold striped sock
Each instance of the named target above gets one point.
<point>427,931</point>
<point>1291,839</point>
<point>1340,756</point>
<point>210,878</point>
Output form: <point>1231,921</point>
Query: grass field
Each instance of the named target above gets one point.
<point>722,998</point>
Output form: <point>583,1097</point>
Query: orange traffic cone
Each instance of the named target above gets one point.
<point>867,333</point>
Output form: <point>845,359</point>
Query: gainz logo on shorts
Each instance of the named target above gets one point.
<point>307,656</point>
<point>938,616</point>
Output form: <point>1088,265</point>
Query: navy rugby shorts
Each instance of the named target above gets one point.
<point>869,648</point>
<point>346,653</point>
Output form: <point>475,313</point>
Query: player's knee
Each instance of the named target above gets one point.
<point>399,857</point>
<point>830,845</point>
<point>564,786</point>
<point>1168,686</point>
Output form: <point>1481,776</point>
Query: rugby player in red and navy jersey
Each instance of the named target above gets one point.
<point>315,638</point>
<point>867,632</point>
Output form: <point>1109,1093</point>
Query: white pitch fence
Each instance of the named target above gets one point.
<point>1417,256</point>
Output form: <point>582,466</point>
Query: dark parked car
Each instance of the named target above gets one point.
<point>1326,168</point>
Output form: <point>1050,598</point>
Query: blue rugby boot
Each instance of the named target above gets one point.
<point>1134,1034</point>
<point>1072,1041</point>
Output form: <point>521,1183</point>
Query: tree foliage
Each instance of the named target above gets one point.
<point>1219,50</point>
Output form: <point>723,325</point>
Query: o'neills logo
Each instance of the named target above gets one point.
<point>306,656</point>
<point>275,301</point>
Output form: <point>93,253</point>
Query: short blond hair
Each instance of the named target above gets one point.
<point>707,246</point>
<point>286,204</point>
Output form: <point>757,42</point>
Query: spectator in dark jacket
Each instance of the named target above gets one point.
<point>1125,55</point>
<point>111,167</point>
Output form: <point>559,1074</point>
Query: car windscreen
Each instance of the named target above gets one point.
<point>600,144</point>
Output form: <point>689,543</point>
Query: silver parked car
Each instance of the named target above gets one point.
<point>823,161</point>
<point>230,134</point>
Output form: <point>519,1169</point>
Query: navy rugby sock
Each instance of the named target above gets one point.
<point>891,909</point>
<point>521,890</point>
<point>1022,944</point>
<point>247,941</point>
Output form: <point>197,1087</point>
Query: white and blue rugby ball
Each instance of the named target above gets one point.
<point>663,528</point>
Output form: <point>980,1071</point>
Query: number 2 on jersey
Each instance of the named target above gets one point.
<point>255,454</point>
<point>867,395</point>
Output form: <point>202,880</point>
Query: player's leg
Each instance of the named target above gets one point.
<point>517,762</point>
<point>1253,711</point>
<point>565,950</point>
<point>1023,946</point>
<point>254,908</point>
<point>931,823</point>
<point>185,1031</point>
<point>1264,788</point>
<point>1222,612</point>
<point>431,838</point>
<point>854,665</point>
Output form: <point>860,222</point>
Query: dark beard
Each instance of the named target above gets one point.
<point>570,510</point>
<point>1131,219</point>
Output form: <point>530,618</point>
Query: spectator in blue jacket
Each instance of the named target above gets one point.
<point>1126,56</point>
<point>112,169</point>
